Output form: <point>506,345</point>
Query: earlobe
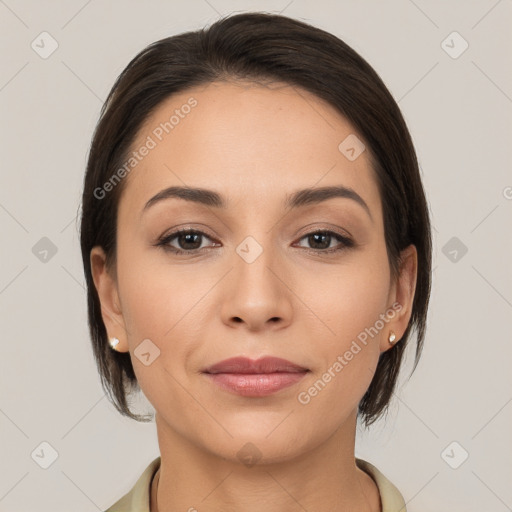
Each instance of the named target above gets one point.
<point>106,287</point>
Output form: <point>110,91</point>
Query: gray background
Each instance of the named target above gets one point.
<point>459,112</point>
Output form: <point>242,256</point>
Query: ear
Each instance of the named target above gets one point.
<point>106,287</point>
<point>401,297</point>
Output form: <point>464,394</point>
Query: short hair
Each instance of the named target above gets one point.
<point>251,47</point>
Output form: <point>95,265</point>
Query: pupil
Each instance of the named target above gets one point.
<point>188,238</point>
<point>322,235</point>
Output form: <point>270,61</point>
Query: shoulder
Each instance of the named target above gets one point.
<point>392,500</point>
<point>138,498</point>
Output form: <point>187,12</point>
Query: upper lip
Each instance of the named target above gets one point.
<point>255,366</point>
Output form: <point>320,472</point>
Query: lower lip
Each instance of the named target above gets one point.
<point>251,384</point>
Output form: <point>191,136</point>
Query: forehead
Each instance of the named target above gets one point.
<point>251,142</point>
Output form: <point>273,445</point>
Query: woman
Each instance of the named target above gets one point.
<point>257,250</point>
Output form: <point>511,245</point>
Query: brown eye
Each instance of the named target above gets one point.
<point>189,240</point>
<point>185,240</point>
<point>321,241</point>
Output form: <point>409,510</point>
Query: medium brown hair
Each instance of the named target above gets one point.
<point>254,47</point>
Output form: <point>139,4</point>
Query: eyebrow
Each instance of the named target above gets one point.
<point>297,199</point>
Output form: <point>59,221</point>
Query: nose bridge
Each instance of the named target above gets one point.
<point>257,293</point>
<point>253,262</point>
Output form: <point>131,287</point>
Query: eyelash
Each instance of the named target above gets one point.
<point>164,241</point>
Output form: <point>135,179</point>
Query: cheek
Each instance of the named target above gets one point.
<point>167,304</point>
<point>349,297</point>
<point>155,295</point>
<point>158,302</point>
<point>350,301</point>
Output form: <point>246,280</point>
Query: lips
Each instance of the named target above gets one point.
<point>255,378</point>
<point>244,365</point>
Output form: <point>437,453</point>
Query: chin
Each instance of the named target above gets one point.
<point>254,446</point>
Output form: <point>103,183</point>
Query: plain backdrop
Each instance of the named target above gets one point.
<point>446,441</point>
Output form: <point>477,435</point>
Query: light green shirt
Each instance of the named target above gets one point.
<point>138,499</point>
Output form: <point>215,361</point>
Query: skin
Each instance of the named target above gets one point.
<point>253,144</point>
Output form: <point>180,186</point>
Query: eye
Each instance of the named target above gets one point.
<point>320,241</point>
<point>188,241</point>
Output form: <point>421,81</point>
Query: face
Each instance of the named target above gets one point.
<point>257,271</point>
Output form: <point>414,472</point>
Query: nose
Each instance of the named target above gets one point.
<point>255,295</point>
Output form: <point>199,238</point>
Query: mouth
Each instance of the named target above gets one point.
<point>255,378</point>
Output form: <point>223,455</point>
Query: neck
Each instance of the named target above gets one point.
<point>324,478</point>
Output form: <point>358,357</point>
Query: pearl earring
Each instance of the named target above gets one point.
<point>392,337</point>
<point>114,342</point>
